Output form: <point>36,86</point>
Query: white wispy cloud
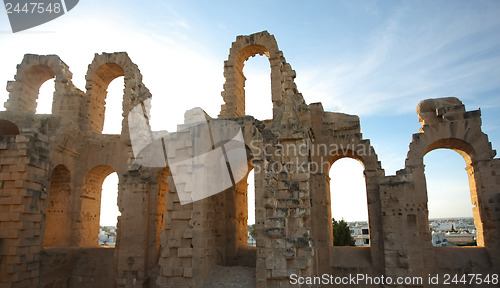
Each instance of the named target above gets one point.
<point>407,61</point>
<point>169,61</point>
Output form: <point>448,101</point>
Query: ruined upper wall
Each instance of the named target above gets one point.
<point>33,71</point>
<point>105,68</point>
<point>83,110</point>
<point>446,124</point>
<point>282,75</point>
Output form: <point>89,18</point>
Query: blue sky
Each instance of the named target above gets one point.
<point>376,59</point>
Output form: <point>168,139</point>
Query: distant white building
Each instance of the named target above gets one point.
<point>107,238</point>
<point>103,237</point>
<point>445,226</point>
<point>461,238</point>
<point>452,232</point>
<point>251,240</point>
<point>360,232</point>
<point>439,239</point>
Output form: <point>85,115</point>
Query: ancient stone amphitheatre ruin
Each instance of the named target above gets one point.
<point>53,167</point>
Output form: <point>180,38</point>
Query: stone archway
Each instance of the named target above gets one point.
<point>282,74</point>
<point>91,205</point>
<point>33,71</point>
<point>58,217</point>
<point>104,69</point>
<point>446,124</point>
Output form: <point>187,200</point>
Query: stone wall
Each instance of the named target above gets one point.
<point>77,267</point>
<point>53,166</point>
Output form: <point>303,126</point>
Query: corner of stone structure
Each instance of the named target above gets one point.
<point>436,110</point>
<point>196,115</point>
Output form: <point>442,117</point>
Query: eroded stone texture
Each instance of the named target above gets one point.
<point>53,166</point>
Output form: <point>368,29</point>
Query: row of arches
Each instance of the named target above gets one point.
<point>448,192</point>
<point>83,201</point>
<point>108,92</point>
<point>360,199</point>
<point>235,94</point>
<point>356,204</point>
<point>112,106</point>
<point>109,77</point>
<point>43,86</point>
<point>365,200</point>
<point>73,218</point>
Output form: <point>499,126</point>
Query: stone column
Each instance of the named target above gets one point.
<point>404,220</point>
<point>288,247</point>
<point>23,180</point>
<point>484,182</point>
<point>131,247</point>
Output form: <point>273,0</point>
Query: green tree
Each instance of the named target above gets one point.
<point>453,228</point>
<point>251,230</point>
<point>341,233</point>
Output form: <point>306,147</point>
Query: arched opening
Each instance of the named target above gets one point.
<point>113,107</point>
<point>109,212</point>
<point>231,224</point>
<point>98,90</point>
<point>90,213</point>
<point>30,85</point>
<point>257,87</point>
<point>8,128</point>
<point>45,97</point>
<point>251,208</point>
<point>232,213</point>
<point>349,206</point>
<point>451,220</point>
<point>162,205</point>
<point>234,87</point>
<point>246,253</point>
<point>58,216</point>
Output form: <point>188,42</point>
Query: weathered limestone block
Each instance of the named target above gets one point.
<point>435,110</point>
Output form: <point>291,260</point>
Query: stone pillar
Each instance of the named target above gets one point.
<point>288,247</point>
<point>484,181</point>
<point>23,180</point>
<point>404,220</point>
<point>373,179</point>
<point>494,200</point>
<point>177,245</point>
<point>131,247</point>
<point>322,215</point>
